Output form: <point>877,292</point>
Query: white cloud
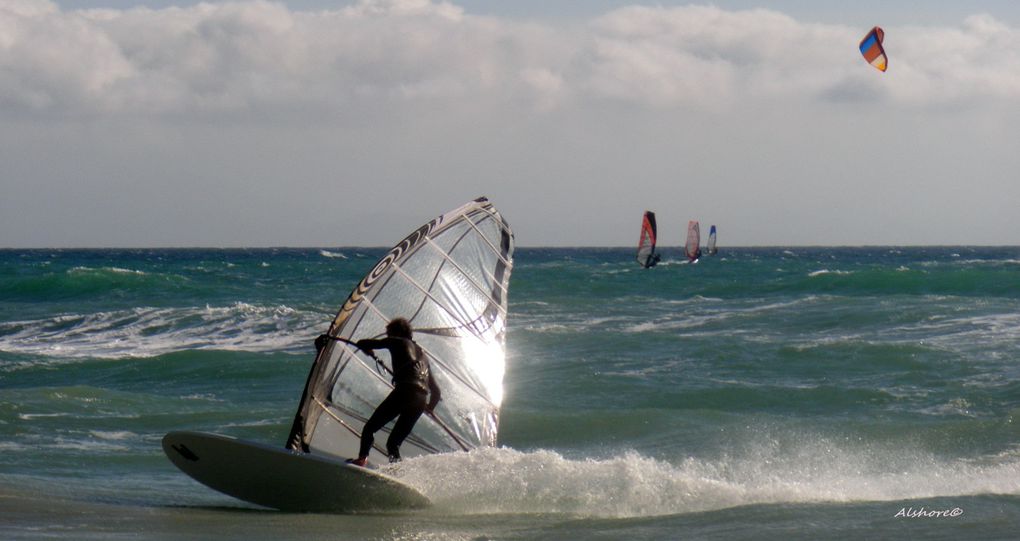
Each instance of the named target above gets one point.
<point>979,60</point>
<point>260,55</point>
<point>249,123</point>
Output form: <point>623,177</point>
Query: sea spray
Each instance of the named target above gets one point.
<point>505,480</point>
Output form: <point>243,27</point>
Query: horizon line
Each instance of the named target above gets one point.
<point>564,247</point>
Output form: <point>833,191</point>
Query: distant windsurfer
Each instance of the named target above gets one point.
<point>652,260</point>
<point>414,390</point>
<point>693,247</point>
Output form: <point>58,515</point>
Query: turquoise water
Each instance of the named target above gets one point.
<point>761,394</point>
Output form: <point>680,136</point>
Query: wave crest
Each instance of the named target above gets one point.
<point>146,332</point>
<point>504,480</point>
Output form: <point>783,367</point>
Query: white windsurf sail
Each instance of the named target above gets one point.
<point>646,255</point>
<point>693,247</point>
<point>449,278</point>
<point>711,241</point>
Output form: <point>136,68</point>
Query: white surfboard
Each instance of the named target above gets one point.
<point>286,480</point>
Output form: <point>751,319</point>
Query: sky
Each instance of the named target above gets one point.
<point>166,123</point>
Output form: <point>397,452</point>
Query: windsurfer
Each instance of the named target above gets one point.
<point>412,385</point>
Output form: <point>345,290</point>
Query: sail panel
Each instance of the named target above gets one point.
<point>646,256</point>
<point>449,278</point>
<point>711,241</point>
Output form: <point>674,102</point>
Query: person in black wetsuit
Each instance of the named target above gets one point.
<point>412,385</point>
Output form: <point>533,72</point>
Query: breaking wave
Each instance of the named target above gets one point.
<point>504,480</point>
<point>148,331</point>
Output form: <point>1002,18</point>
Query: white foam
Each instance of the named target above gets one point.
<point>92,270</point>
<point>504,480</point>
<point>976,332</point>
<point>702,313</point>
<point>327,253</point>
<point>31,416</point>
<point>205,397</point>
<point>113,435</point>
<point>531,303</point>
<point>676,324</point>
<point>143,332</point>
<point>827,271</point>
<point>88,446</point>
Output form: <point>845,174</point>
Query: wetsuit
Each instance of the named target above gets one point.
<point>412,384</point>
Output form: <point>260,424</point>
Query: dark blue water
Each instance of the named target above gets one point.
<point>761,394</point>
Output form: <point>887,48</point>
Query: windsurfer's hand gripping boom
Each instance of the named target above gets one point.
<point>323,339</point>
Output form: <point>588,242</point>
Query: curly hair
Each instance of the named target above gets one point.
<point>399,327</point>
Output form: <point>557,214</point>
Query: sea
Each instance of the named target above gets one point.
<point>762,393</point>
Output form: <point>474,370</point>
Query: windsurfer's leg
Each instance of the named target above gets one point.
<point>401,430</point>
<point>387,410</point>
<point>412,410</point>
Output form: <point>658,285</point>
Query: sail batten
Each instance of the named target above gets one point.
<point>496,250</point>
<point>429,296</point>
<point>454,294</point>
<point>468,276</point>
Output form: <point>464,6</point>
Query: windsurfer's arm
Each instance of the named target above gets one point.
<point>368,345</point>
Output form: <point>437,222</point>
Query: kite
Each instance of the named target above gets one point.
<point>871,48</point>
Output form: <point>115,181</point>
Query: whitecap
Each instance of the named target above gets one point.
<point>806,469</point>
<point>113,435</point>
<point>150,331</point>
<point>31,416</point>
<point>827,271</point>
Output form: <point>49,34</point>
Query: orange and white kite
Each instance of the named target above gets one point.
<point>871,48</point>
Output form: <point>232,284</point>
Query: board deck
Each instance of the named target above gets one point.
<point>286,480</point>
